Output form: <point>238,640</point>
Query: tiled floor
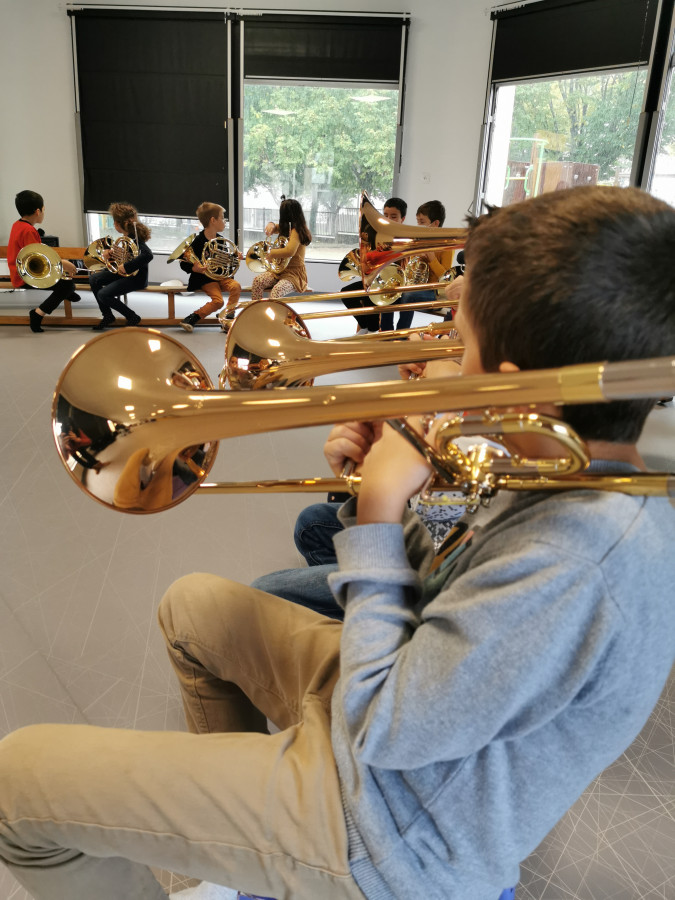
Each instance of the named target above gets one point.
<point>81,584</point>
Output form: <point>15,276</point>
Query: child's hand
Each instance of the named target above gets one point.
<point>198,267</point>
<point>121,270</point>
<point>270,228</point>
<point>413,369</point>
<point>350,441</point>
<point>392,472</point>
<point>453,291</point>
<point>68,267</point>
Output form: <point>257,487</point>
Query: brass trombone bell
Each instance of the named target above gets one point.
<point>269,345</point>
<point>382,242</point>
<point>40,266</point>
<point>349,267</point>
<point>155,432</point>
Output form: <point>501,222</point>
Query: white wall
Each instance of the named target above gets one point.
<point>447,72</point>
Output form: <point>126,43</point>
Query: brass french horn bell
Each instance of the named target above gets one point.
<point>40,266</point>
<point>93,258</point>
<point>184,251</point>
<point>121,251</point>
<point>258,261</point>
<point>269,345</point>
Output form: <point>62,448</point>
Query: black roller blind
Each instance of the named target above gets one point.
<point>153,105</point>
<point>556,36</point>
<point>337,48</point>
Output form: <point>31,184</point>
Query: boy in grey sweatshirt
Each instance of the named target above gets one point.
<point>429,742</point>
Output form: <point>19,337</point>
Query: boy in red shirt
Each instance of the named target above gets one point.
<point>31,208</point>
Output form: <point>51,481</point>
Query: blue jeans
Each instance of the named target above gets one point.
<point>306,587</point>
<point>108,288</point>
<point>405,318</point>
<point>314,530</point>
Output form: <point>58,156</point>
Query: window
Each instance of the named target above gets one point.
<point>167,232</point>
<point>563,132</point>
<point>663,175</point>
<point>322,146</point>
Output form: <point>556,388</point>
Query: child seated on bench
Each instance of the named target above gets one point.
<point>212,217</point>
<point>31,209</point>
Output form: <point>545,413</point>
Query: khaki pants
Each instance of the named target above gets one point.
<point>214,290</point>
<point>85,810</point>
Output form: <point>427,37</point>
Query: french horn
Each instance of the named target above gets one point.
<point>120,252</point>
<point>258,261</point>
<point>220,257</point>
<point>40,266</point>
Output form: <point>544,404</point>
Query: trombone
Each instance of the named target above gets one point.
<point>155,404</point>
<point>269,345</point>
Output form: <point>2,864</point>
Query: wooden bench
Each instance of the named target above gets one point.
<point>63,315</point>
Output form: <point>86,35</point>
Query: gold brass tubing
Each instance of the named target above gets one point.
<point>643,484</point>
<point>647,484</point>
<point>435,329</point>
<point>341,295</point>
<point>428,306</point>
<point>284,486</point>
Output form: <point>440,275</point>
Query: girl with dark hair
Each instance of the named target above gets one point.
<point>109,286</point>
<point>293,278</point>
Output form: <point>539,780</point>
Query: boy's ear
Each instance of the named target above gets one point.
<point>506,367</point>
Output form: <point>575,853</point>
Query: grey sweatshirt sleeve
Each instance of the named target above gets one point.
<point>473,653</point>
<point>418,544</point>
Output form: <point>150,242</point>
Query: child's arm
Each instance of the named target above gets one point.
<point>439,264</point>
<point>133,265</point>
<point>289,250</point>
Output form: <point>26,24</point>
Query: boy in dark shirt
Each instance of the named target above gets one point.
<point>212,217</point>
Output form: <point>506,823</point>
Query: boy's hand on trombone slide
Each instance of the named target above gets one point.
<point>391,470</point>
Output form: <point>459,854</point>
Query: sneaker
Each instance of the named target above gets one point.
<point>133,320</point>
<point>362,331</point>
<point>103,324</point>
<point>35,321</point>
<point>74,299</point>
<point>189,322</point>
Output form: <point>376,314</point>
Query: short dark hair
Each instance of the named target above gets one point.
<point>27,202</point>
<point>576,276</point>
<point>432,209</point>
<point>397,203</point>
